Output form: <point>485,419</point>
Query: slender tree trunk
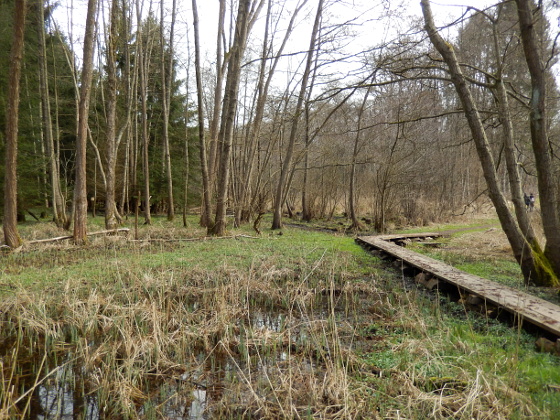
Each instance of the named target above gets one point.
<point>205,208</point>
<point>11,234</point>
<point>539,135</point>
<point>186,170</point>
<point>306,212</point>
<point>253,133</point>
<point>130,80</point>
<point>228,116</point>
<point>80,188</point>
<point>502,103</point>
<point>167,79</point>
<point>111,221</point>
<point>186,167</point>
<point>58,203</point>
<point>221,65</point>
<point>279,197</point>
<point>352,193</point>
<point>243,210</point>
<point>143,83</point>
<point>521,248</point>
<point>511,163</point>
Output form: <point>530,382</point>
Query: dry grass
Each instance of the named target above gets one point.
<point>267,340</point>
<point>482,245</point>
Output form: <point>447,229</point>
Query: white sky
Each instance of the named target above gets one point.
<point>369,29</point>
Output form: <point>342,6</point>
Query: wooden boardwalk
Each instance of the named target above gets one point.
<point>524,307</point>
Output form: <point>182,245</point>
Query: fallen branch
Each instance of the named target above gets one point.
<point>200,239</point>
<point>62,238</point>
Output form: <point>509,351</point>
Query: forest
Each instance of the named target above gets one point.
<point>303,109</point>
<point>189,188</point>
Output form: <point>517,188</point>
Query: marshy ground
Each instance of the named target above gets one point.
<point>300,325</point>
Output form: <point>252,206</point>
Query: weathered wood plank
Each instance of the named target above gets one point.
<point>418,235</point>
<point>528,308</point>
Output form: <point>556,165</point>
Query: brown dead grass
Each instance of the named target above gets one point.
<point>486,244</point>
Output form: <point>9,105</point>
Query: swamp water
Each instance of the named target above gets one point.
<point>267,355</point>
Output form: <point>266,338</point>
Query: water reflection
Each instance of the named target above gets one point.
<point>68,393</point>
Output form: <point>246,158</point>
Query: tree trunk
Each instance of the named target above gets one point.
<point>167,78</point>
<point>279,197</point>
<point>221,64</point>
<point>80,189</point>
<point>531,268</point>
<point>111,221</point>
<point>539,135</point>
<point>58,203</point>
<point>205,208</point>
<point>352,193</point>
<point>306,213</point>
<point>11,235</point>
<point>143,81</point>
<point>228,116</point>
<point>266,75</point>
<point>504,116</point>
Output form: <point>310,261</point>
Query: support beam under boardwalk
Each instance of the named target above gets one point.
<point>525,307</point>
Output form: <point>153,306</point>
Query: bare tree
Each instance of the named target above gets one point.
<point>80,188</point>
<point>539,135</point>
<point>167,78</point>
<point>267,69</point>
<point>11,235</point>
<point>279,197</point>
<point>532,268</point>
<point>112,217</point>
<point>222,58</point>
<point>58,202</point>
<point>206,210</point>
<point>352,192</point>
<point>142,40</point>
<point>228,115</point>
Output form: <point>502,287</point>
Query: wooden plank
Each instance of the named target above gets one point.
<point>420,235</point>
<point>529,308</point>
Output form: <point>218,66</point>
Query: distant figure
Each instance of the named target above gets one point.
<point>531,202</point>
<point>527,200</point>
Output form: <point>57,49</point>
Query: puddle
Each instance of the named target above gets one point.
<point>263,346</point>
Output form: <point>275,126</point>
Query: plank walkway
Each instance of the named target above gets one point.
<point>525,307</point>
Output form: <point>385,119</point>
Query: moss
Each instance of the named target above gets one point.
<point>545,275</point>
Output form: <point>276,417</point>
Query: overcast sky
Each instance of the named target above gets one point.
<point>365,15</point>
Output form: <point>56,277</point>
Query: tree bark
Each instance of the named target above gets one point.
<point>11,234</point>
<point>80,189</point>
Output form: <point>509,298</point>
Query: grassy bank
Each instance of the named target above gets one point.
<point>299,325</point>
